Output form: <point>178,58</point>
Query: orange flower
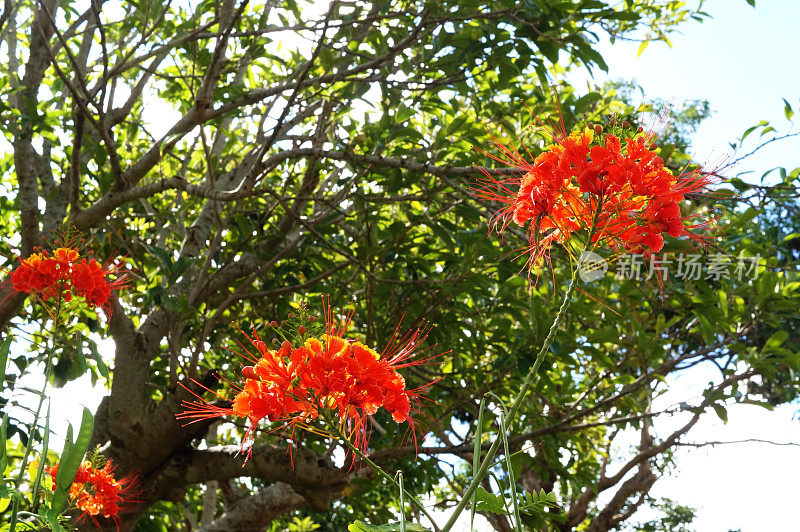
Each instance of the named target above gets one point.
<point>612,188</point>
<point>64,258</point>
<point>96,492</point>
<point>90,280</point>
<point>330,373</point>
<point>38,273</point>
<point>64,274</point>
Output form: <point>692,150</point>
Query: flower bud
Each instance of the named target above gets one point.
<point>301,329</point>
<point>626,124</point>
<point>598,129</point>
<point>273,323</point>
<point>249,372</point>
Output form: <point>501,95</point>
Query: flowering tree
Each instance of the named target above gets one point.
<point>243,159</point>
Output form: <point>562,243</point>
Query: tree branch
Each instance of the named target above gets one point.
<point>255,512</point>
<point>310,474</point>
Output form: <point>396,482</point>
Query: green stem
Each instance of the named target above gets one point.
<point>358,452</point>
<point>530,380</point>
<point>40,469</point>
<point>28,448</point>
<point>29,445</point>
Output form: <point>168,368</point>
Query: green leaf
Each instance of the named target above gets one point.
<point>476,456</point>
<point>776,340</point>
<point>787,109</point>
<point>706,329</point>
<point>753,128</point>
<point>748,215</point>
<point>739,184</point>
<point>71,459</point>
<point>762,404</point>
<point>751,2</point>
<point>456,124</point>
<point>534,503</point>
<point>45,446</point>
<point>5,492</point>
<point>361,526</point>
<point>642,47</point>
<point>80,359</point>
<point>721,412</point>
<point>60,492</point>
<point>3,438</point>
<point>407,132</point>
<point>161,253</point>
<point>4,348</point>
<point>50,518</point>
<point>548,49</point>
<point>404,113</point>
<point>101,366</point>
<point>489,502</point>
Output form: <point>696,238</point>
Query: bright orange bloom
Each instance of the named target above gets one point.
<point>90,280</point>
<point>96,492</point>
<point>64,274</point>
<point>38,273</point>
<point>64,258</point>
<point>611,187</point>
<point>328,373</point>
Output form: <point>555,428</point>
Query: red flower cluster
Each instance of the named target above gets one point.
<point>332,373</point>
<point>613,187</point>
<point>95,491</point>
<point>64,274</point>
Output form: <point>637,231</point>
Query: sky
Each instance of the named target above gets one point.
<point>740,60</point>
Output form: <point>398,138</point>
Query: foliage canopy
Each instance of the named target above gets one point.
<point>244,157</point>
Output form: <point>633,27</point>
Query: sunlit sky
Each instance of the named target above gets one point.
<point>742,61</point>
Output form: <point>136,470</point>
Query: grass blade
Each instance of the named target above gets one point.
<point>402,501</point>
<point>476,457</point>
<point>3,438</point>
<point>45,445</point>
<point>511,480</point>
<point>4,349</point>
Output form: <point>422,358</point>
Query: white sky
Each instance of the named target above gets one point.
<point>742,62</point>
<point>748,486</point>
<point>739,60</point>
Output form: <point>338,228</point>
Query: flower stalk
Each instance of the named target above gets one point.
<point>57,326</point>
<point>530,380</point>
<point>363,456</point>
